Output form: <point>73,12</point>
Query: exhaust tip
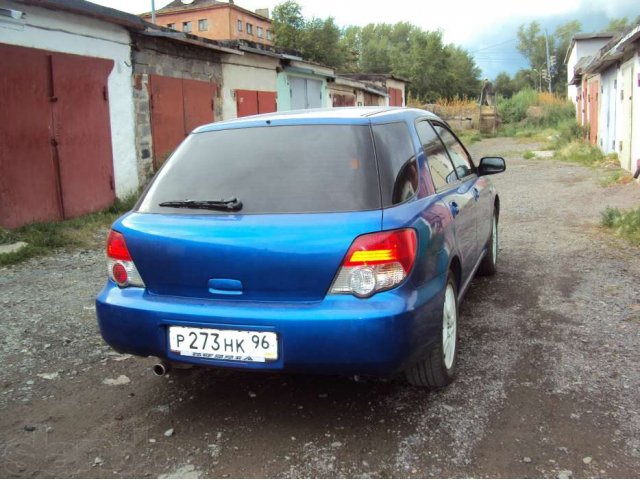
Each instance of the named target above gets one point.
<point>161,369</point>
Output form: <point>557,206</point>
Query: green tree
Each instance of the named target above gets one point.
<point>533,45</point>
<point>288,24</point>
<point>504,85</point>
<point>621,24</point>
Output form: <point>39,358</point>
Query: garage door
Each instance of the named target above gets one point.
<point>177,107</point>
<point>253,102</point>
<point>55,136</point>
<point>305,93</point>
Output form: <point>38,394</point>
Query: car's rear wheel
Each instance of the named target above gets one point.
<point>438,369</point>
<point>488,264</point>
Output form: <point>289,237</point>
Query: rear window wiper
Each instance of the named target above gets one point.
<point>232,204</point>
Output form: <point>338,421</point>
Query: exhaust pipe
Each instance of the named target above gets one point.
<point>161,369</point>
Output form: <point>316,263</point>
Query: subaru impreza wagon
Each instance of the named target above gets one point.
<point>325,241</point>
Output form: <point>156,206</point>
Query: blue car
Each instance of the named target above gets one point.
<point>324,241</point>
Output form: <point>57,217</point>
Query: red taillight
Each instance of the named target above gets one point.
<point>377,262</point>
<point>119,274</point>
<point>116,247</point>
<point>384,247</point>
<point>120,265</point>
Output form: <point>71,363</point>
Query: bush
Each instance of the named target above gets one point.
<point>514,109</point>
<point>626,223</point>
<point>530,108</point>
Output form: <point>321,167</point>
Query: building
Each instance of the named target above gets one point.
<point>216,20</point>
<point>347,92</point>
<point>393,85</point>
<point>608,86</point>
<point>582,46</point>
<point>302,84</point>
<point>67,142</point>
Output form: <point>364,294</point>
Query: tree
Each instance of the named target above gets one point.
<point>287,24</point>
<point>619,25</point>
<point>504,85</point>
<point>533,45</point>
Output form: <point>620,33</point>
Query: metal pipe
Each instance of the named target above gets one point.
<point>153,11</point>
<point>161,369</point>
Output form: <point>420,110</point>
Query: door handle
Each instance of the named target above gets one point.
<point>455,210</point>
<point>476,193</point>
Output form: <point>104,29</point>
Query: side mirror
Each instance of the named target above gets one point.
<point>491,165</point>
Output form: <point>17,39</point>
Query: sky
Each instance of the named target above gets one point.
<point>486,28</point>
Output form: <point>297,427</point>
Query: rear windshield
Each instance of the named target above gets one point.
<point>282,169</point>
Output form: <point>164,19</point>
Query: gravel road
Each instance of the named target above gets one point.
<point>548,386</point>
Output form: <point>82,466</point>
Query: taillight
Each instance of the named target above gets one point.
<point>120,265</point>
<point>376,262</point>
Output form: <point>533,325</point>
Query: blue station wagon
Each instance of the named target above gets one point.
<point>324,241</point>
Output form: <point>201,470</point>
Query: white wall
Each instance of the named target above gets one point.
<point>67,33</point>
<point>635,123</point>
<point>581,48</point>
<point>246,72</point>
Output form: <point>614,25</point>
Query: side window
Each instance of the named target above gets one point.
<point>461,161</point>
<point>440,166</point>
<point>396,163</point>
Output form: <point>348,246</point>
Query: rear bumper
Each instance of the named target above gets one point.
<point>341,334</point>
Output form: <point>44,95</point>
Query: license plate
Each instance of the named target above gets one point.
<point>235,345</point>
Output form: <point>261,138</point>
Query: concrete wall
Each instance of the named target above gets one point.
<point>581,48</point>
<point>635,144</point>
<point>246,72</point>
<point>158,56</point>
<point>68,33</point>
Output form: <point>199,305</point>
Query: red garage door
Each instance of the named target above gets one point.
<point>55,139</point>
<point>395,97</point>
<point>253,102</point>
<point>177,107</point>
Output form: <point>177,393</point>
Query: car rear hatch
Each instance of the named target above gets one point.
<point>306,191</point>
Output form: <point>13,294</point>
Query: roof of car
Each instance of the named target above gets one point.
<point>343,115</point>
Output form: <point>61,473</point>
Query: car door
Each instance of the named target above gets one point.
<point>480,186</point>
<point>454,192</point>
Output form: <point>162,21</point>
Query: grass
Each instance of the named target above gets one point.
<point>625,223</point>
<point>470,136</point>
<point>616,177</point>
<point>81,232</point>
<point>528,155</point>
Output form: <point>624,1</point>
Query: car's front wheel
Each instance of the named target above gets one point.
<point>438,369</point>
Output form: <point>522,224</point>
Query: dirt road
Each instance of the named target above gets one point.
<point>549,374</point>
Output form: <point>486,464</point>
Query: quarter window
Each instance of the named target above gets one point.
<point>186,27</point>
<point>440,167</point>
<point>396,162</point>
<point>459,157</point>
<point>203,25</point>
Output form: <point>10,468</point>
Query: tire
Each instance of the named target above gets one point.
<point>488,265</point>
<point>439,368</point>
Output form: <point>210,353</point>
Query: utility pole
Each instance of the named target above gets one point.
<point>153,13</point>
<point>546,41</point>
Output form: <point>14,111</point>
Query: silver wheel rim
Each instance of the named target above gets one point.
<point>494,241</point>
<point>449,326</point>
